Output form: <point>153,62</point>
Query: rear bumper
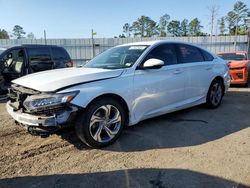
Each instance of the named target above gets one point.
<point>55,120</point>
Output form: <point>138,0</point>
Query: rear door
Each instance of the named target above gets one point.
<point>198,64</point>
<point>39,59</point>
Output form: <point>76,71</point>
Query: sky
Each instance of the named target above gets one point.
<point>76,18</point>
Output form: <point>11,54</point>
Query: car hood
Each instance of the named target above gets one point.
<point>53,80</point>
<point>238,64</point>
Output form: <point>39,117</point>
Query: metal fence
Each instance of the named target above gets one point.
<point>81,50</point>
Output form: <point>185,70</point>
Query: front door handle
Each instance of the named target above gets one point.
<point>178,71</point>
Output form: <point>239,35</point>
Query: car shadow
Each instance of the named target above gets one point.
<point>190,127</point>
<point>144,177</point>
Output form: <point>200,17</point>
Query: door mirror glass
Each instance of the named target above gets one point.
<point>153,64</point>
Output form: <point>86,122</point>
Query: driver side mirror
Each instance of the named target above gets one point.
<point>153,64</point>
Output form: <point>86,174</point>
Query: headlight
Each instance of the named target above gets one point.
<point>34,102</point>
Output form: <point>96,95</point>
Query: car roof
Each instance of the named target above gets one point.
<point>155,42</point>
<point>38,45</point>
<point>33,46</point>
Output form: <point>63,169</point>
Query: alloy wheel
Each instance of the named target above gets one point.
<point>216,94</point>
<point>105,123</point>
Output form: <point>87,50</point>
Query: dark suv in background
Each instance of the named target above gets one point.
<point>26,59</point>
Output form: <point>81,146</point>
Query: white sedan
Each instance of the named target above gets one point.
<point>121,86</point>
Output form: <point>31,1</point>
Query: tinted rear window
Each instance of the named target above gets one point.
<point>207,56</point>
<point>189,54</point>
<point>39,59</point>
<point>59,53</point>
<point>232,56</point>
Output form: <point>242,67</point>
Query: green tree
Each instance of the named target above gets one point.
<point>184,27</point>
<point>18,32</point>
<point>222,25</point>
<point>235,18</point>
<point>152,28</point>
<point>195,27</point>
<point>30,36</point>
<point>163,24</point>
<point>4,34</point>
<point>127,29</point>
<point>144,27</point>
<point>122,36</point>
<point>174,28</point>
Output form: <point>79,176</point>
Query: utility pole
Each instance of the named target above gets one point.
<point>93,42</point>
<point>45,39</point>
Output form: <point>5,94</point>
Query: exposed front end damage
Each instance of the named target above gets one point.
<point>40,121</point>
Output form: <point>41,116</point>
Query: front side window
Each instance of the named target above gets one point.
<point>189,54</point>
<point>14,61</point>
<point>118,57</point>
<point>39,59</point>
<point>165,52</point>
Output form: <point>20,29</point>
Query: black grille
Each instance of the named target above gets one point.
<point>50,110</point>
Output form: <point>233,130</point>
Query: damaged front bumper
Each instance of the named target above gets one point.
<point>42,122</point>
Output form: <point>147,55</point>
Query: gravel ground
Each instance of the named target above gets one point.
<point>197,147</point>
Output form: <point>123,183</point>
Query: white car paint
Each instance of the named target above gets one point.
<point>49,81</point>
<point>147,93</point>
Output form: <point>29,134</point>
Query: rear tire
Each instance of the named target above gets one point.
<point>215,94</point>
<point>101,123</point>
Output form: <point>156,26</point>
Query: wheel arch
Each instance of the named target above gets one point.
<point>220,78</point>
<point>118,98</point>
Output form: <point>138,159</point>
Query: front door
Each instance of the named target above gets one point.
<point>157,91</point>
<point>14,64</point>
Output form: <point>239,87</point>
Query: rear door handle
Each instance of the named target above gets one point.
<point>178,71</point>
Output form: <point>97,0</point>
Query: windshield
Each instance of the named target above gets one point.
<point>233,56</point>
<point>117,58</point>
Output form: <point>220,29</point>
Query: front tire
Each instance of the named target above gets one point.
<point>101,123</point>
<point>215,94</point>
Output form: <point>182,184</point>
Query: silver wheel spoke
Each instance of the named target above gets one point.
<point>97,135</point>
<point>107,110</point>
<point>96,119</point>
<point>109,132</point>
<point>115,119</point>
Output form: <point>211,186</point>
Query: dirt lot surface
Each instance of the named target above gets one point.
<point>196,147</point>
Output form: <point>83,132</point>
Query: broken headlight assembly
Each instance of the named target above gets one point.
<point>35,103</point>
